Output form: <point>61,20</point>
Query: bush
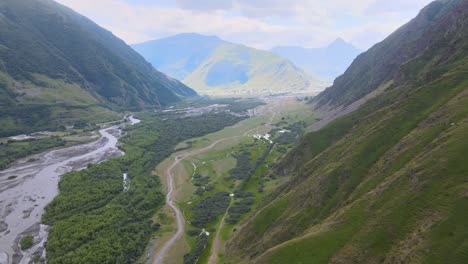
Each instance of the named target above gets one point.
<point>193,232</point>
<point>194,255</point>
<point>26,242</point>
<point>208,209</point>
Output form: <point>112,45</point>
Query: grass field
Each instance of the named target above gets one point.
<point>216,163</point>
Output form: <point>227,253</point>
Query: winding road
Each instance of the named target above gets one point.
<point>169,198</point>
<point>159,257</point>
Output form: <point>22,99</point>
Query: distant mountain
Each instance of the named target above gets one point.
<point>385,183</point>
<point>179,55</point>
<point>326,63</point>
<point>56,65</point>
<point>396,58</point>
<point>214,66</point>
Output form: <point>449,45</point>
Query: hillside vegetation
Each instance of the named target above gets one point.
<point>239,69</point>
<point>56,65</point>
<point>95,219</point>
<point>386,183</point>
<point>388,59</point>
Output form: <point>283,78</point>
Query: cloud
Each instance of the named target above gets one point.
<point>385,6</point>
<point>205,4</point>
<point>258,23</point>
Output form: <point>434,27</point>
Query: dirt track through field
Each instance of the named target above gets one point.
<point>159,257</point>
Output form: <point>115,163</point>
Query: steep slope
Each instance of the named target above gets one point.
<point>382,62</point>
<point>325,63</point>
<point>211,65</point>
<point>386,183</point>
<point>53,60</point>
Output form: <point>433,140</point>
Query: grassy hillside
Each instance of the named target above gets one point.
<point>59,65</point>
<point>211,65</point>
<point>384,184</point>
<point>235,68</point>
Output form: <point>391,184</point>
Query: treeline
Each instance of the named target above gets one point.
<point>194,255</point>
<point>92,220</point>
<point>18,119</point>
<point>294,133</point>
<point>13,150</point>
<point>240,106</point>
<point>235,105</point>
<point>208,209</point>
<point>243,171</point>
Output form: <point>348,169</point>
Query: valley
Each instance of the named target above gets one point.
<point>201,132</point>
<point>30,184</point>
<point>251,120</point>
<point>213,157</point>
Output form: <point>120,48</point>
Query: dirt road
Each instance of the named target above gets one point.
<point>159,257</point>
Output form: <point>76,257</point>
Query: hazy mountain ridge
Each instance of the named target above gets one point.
<point>386,183</point>
<point>390,58</point>
<point>211,65</point>
<point>52,58</point>
<point>325,63</point>
<point>179,55</point>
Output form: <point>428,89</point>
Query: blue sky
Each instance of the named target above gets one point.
<point>258,23</point>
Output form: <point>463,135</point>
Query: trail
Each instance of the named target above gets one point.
<point>159,257</point>
<point>169,198</point>
<point>217,241</point>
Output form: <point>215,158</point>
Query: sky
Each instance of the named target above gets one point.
<point>257,23</point>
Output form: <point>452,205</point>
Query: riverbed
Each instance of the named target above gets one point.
<point>31,183</point>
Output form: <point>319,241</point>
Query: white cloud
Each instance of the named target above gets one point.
<point>258,23</point>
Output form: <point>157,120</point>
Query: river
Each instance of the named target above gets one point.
<point>31,183</point>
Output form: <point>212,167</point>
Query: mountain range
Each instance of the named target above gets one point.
<point>57,67</point>
<point>213,66</point>
<point>325,63</point>
<point>385,182</point>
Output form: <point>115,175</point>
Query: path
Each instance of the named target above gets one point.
<point>217,241</point>
<point>169,199</point>
<point>159,256</point>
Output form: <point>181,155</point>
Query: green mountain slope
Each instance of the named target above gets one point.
<point>383,61</point>
<point>211,65</point>
<point>56,63</point>
<point>386,183</point>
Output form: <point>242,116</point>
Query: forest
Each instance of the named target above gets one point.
<point>13,150</point>
<point>92,220</point>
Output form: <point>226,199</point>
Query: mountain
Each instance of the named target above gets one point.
<point>393,59</point>
<point>387,182</point>
<point>179,55</point>
<point>56,64</point>
<point>214,66</point>
<point>326,63</point>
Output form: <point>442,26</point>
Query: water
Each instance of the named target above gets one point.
<point>23,199</point>
<point>125,182</point>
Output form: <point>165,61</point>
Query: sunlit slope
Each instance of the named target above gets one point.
<point>240,68</point>
<point>214,66</point>
<point>386,183</point>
